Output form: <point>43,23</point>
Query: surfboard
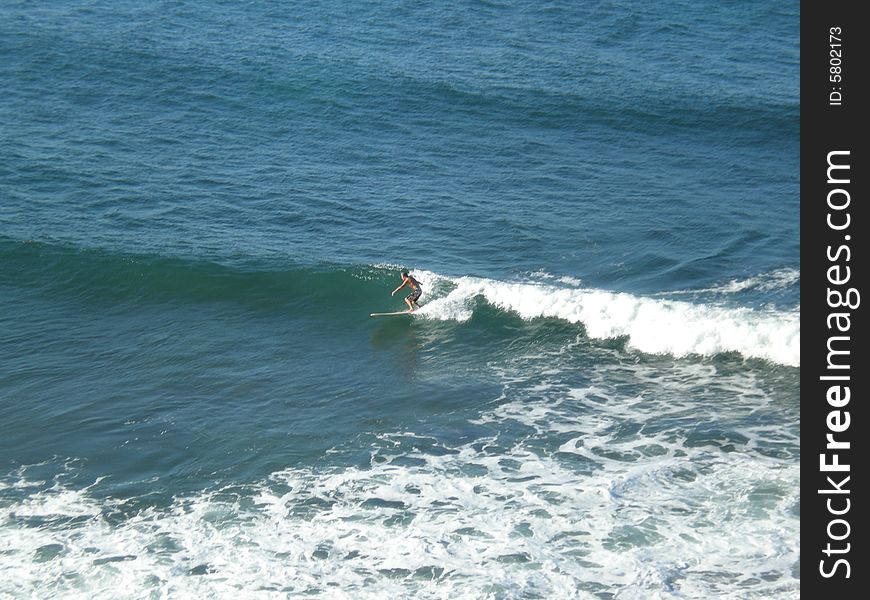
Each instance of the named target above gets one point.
<point>401,312</point>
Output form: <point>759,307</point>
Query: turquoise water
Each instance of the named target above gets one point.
<point>201,203</point>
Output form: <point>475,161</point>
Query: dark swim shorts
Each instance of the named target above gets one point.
<point>415,295</point>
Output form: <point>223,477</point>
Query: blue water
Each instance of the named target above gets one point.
<point>202,202</point>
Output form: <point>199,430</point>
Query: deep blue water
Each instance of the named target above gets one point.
<point>202,202</point>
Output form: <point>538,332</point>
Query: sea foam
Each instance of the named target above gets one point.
<point>652,325</point>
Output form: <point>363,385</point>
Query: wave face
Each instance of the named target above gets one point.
<point>651,325</point>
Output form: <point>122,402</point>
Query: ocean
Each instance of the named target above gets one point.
<point>201,203</point>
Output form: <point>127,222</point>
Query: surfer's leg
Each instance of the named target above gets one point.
<point>412,299</point>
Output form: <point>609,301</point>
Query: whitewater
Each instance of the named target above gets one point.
<point>651,325</point>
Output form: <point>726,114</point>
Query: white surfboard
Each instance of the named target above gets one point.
<point>401,312</point>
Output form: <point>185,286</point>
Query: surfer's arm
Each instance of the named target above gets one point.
<point>393,293</point>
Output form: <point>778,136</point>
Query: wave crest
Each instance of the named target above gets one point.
<point>652,325</point>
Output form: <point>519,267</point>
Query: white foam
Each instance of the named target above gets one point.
<point>395,531</point>
<point>577,503</point>
<point>778,279</point>
<point>571,281</point>
<point>652,325</point>
<point>566,279</point>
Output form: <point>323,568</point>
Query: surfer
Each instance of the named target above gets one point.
<point>410,299</point>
